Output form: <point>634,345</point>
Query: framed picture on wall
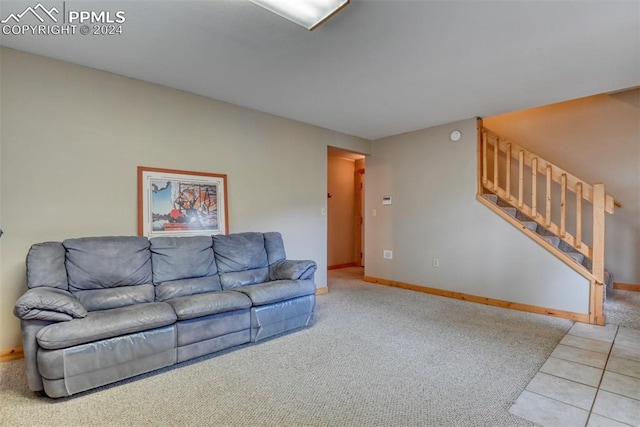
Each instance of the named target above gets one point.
<point>181,203</point>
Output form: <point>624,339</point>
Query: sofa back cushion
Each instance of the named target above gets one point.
<point>109,272</point>
<point>241,259</point>
<point>45,266</point>
<point>275,247</point>
<point>183,266</point>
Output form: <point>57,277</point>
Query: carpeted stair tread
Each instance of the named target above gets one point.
<point>531,225</point>
<point>608,280</point>
<point>522,217</point>
<point>510,211</point>
<point>544,232</point>
<point>492,198</point>
<point>577,256</point>
<point>565,247</point>
<point>552,240</point>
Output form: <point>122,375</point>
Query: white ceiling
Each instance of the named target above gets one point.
<point>378,68</point>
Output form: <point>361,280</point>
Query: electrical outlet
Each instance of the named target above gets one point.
<point>387,254</point>
<point>436,262</point>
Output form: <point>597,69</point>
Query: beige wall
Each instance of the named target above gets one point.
<point>435,215</point>
<point>72,137</point>
<point>341,211</point>
<point>597,139</point>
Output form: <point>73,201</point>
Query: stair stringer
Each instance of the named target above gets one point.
<point>596,291</point>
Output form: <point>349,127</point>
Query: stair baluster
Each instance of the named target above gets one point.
<point>563,206</point>
<point>520,179</point>
<point>578,242</point>
<point>534,187</point>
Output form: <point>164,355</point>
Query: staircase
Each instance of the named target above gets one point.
<point>547,204</point>
<point>547,236</point>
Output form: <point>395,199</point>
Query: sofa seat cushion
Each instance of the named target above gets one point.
<point>237,279</point>
<point>185,287</point>
<point>192,306</point>
<point>105,299</point>
<point>99,325</point>
<point>278,290</point>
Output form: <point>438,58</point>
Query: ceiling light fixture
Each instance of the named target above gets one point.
<point>308,13</point>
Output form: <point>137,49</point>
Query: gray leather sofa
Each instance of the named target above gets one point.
<point>102,309</point>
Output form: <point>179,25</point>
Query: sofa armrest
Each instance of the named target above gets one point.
<point>292,270</point>
<point>50,304</point>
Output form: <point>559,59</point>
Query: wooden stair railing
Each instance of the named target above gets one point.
<point>498,158</point>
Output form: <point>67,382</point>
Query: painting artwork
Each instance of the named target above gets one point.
<point>181,203</point>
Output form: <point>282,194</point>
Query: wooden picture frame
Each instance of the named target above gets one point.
<point>181,203</point>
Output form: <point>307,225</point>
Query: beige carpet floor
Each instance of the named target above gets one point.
<point>376,356</point>
<point>622,308</point>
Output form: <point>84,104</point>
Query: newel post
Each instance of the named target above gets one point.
<point>598,231</point>
<point>597,288</point>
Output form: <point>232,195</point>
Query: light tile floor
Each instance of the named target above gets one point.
<point>592,379</point>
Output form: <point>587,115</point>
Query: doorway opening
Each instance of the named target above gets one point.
<point>345,208</point>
